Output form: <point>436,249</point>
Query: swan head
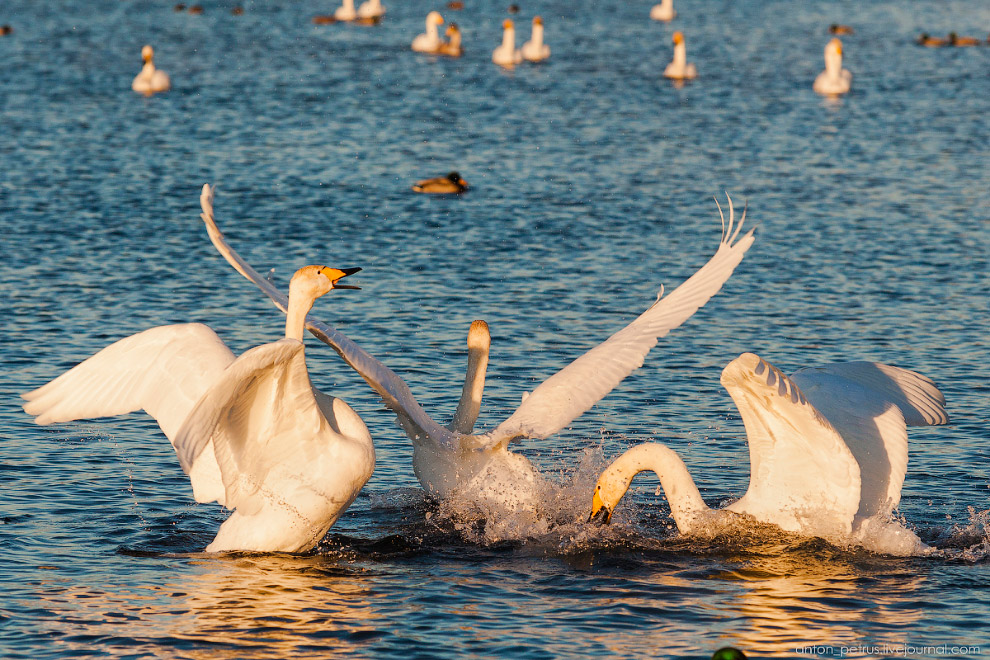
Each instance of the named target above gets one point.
<point>537,20</point>
<point>834,46</point>
<point>315,281</point>
<point>147,54</point>
<point>478,335</point>
<point>678,38</point>
<point>507,24</point>
<point>435,18</point>
<point>607,495</point>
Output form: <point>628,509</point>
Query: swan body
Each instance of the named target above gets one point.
<point>452,461</point>
<point>828,447</point>
<point>535,50</point>
<point>679,68</point>
<point>664,11</point>
<point>371,9</point>
<point>507,54</point>
<point>345,12</point>
<point>452,47</point>
<point>150,80</point>
<point>834,79</point>
<point>444,185</point>
<point>251,432</point>
<point>429,41</point>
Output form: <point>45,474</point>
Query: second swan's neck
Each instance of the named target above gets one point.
<point>479,341</point>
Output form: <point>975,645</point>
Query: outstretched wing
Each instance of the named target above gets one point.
<point>869,404</point>
<point>577,387</point>
<point>803,476</point>
<point>389,386</point>
<point>163,370</point>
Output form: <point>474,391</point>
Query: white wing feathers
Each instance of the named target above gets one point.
<point>163,370</point>
<point>801,469</point>
<point>244,414</point>
<point>389,386</point>
<point>576,388</point>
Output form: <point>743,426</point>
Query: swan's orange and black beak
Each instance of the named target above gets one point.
<point>600,513</point>
<point>337,274</point>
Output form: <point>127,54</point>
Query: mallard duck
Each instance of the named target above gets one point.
<point>835,28</point>
<point>931,42</point>
<point>450,184</point>
<point>956,40</point>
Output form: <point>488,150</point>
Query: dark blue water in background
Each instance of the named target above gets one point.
<point>592,178</point>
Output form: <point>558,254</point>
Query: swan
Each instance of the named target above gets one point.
<point>345,12</point>
<point>150,80</point>
<point>452,47</point>
<point>827,447</point>
<point>251,432</point>
<point>664,11</point>
<point>679,69</point>
<point>452,183</point>
<point>371,10</point>
<point>429,41</point>
<point>535,50</point>
<point>452,462</point>
<point>507,54</point>
<point>834,79</point>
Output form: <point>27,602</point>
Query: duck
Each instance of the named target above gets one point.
<point>6,30</point>
<point>429,41</point>
<point>150,80</point>
<point>251,432</point>
<point>834,79</point>
<point>664,11</point>
<point>827,445</point>
<point>956,40</point>
<point>450,184</point>
<point>476,470</point>
<point>452,47</point>
<point>837,29</point>
<point>679,68</point>
<point>507,55</point>
<point>931,42</point>
<point>535,50</point>
<point>455,5</point>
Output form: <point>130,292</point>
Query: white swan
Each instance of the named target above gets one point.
<point>150,80</point>
<point>535,50</point>
<point>371,9</point>
<point>429,41</point>
<point>664,11</point>
<point>252,433</point>
<point>345,12</point>
<point>679,68</point>
<point>834,79</point>
<point>827,447</point>
<point>507,54</point>
<point>451,461</point>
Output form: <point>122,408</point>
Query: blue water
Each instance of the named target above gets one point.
<point>592,181</point>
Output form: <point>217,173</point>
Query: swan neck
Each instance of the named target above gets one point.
<point>833,63</point>
<point>474,387</point>
<point>678,486</point>
<point>537,35</point>
<point>295,316</point>
<point>509,39</point>
<point>680,54</point>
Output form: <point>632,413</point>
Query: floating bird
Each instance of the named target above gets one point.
<point>956,40</point>
<point>834,79</point>
<point>507,54</point>
<point>932,42</point>
<point>150,80</point>
<point>6,30</point>
<point>429,41</point>
<point>837,29</point>
<point>371,10</point>
<point>179,7</point>
<point>535,50</point>
<point>453,462</point>
<point>251,432</point>
<point>664,11</point>
<point>237,11</point>
<point>452,47</point>
<point>345,12</point>
<point>456,5</point>
<point>827,446</point>
<point>452,183</point>
<point>679,69</point>
<point>513,8</point>
<point>196,9</point>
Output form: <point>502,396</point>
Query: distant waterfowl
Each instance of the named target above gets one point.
<point>452,47</point>
<point>237,11</point>
<point>450,184</point>
<point>956,40</point>
<point>679,68</point>
<point>452,462</point>
<point>837,29</point>
<point>828,448</point>
<point>664,11</point>
<point>371,10</point>
<point>456,5</point>
<point>513,8</point>
<point>535,50</point>
<point>179,7</point>
<point>931,42</point>
<point>251,432</point>
<point>6,30</point>
<point>196,9</point>
<point>507,55</point>
<point>345,12</point>
<point>429,41</point>
<point>834,79</point>
<point>150,80</point>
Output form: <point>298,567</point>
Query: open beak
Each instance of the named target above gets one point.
<point>600,513</point>
<point>337,274</point>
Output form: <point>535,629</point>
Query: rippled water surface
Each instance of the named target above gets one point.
<point>592,180</point>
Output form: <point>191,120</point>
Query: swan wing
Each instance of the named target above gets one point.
<point>576,388</point>
<point>262,412</point>
<point>164,371</point>
<point>394,391</point>
<point>870,405</point>
<point>803,476</point>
